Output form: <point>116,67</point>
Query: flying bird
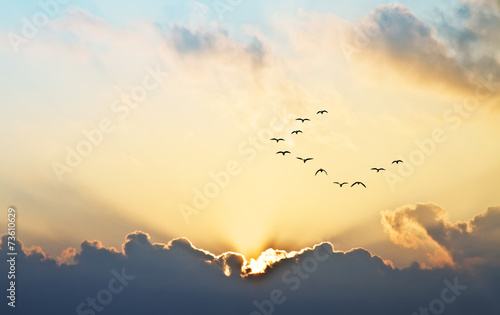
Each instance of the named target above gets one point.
<point>282,152</point>
<point>305,160</point>
<point>358,183</point>
<point>303,119</point>
<point>296,132</point>
<point>341,184</point>
<point>378,169</point>
<point>320,171</point>
<point>322,112</point>
<point>397,161</point>
<point>277,139</point>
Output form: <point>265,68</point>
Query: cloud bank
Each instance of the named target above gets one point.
<point>178,278</point>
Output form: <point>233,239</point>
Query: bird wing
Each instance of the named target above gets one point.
<point>287,152</point>
<point>308,159</point>
<point>299,158</point>
<point>316,172</point>
<point>374,169</point>
<point>336,183</point>
<point>353,184</point>
<point>362,184</point>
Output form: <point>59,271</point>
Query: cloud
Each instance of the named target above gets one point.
<point>469,32</point>
<point>200,41</point>
<point>178,278</point>
<point>392,42</point>
<point>186,41</point>
<point>460,244</point>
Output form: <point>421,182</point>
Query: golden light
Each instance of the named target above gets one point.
<point>266,258</point>
<point>248,234</point>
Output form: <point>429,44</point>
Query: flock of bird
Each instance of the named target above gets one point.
<point>321,170</point>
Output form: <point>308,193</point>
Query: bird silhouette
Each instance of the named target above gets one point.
<point>322,112</point>
<point>282,152</point>
<point>320,171</point>
<point>378,169</point>
<point>303,119</point>
<point>305,160</point>
<point>397,162</point>
<point>296,132</point>
<point>341,184</point>
<point>277,139</point>
<point>358,183</point>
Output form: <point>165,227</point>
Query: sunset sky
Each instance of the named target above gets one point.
<point>121,116</point>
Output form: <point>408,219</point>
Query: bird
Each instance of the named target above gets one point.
<point>320,171</point>
<point>341,184</point>
<point>322,112</point>
<point>282,152</point>
<point>296,132</point>
<point>303,119</point>
<point>378,169</point>
<point>358,183</point>
<point>305,160</point>
<point>397,162</point>
<point>277,139</point>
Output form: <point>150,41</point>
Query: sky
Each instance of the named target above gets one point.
<point>137,135</point>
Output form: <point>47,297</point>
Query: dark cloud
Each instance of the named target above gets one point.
<point>178,278</point>
<point>216,43</point>
<point>399,41</point>
<point>454,53</point>
<point>470,31</point>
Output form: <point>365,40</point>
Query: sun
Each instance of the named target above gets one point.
<point>266,259</point>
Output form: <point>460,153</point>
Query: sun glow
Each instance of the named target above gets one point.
<point>266,259</point>
<point>249,236</point>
